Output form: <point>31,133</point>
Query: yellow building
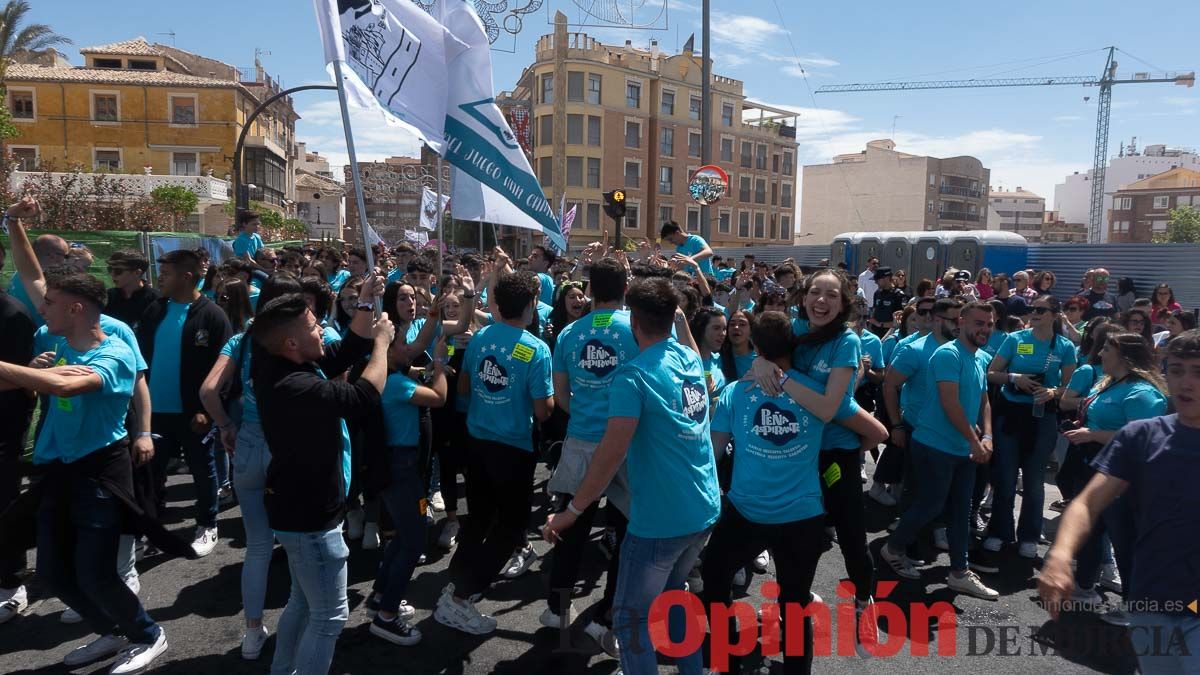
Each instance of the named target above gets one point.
<point>138,108</point>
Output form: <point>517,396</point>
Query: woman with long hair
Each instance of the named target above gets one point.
<point>709,328</point>
<point>569,304</point>
<point>1043,282</point>
<point>1131,389</point>
<point>234,299</point>
<point>925,289</point>
<point>1126,293</point>
<point>1176,322</point>
<point>344,308</point>
<point>1138,321</point>
<point>1032,365</point>
<point>450,425</point>
<point>737,354</point>
<point>901,329</point>
<point>983,284</point>
<point>772,301</point>
<point>1162,303</point>
<point>1074,309</point>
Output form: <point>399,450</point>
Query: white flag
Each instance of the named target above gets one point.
<point>394,57</point>
<point>429,208</point>
<point>372,237</point>
<point>493,179</point>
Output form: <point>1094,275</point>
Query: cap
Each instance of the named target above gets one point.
<point>962,275</point>
<point>881,272</point>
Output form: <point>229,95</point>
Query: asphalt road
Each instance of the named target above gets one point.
<point>198,603</point>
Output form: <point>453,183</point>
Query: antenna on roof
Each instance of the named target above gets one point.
<point>170,34</point>
<point>260,52</point>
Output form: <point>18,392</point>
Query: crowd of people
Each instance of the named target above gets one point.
<point>713,417</point>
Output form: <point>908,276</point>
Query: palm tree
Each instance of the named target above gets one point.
<point>17,40</point>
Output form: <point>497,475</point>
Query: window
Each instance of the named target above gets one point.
<point>106,63</point>
<point>746,154</point>
<point>633,95</point>
<point>1031,201</point>
<point>1162,202</point>
<point>593,130</point>
<point>546,171</point>
<point>785,228</point>
<point>774,193</point>
<point>774,227</point>
<point>929,207</point>
<point>547,89</point>
<point>593,217</point>
<point>142,65</point>
<point>1121,226</point>
<point>727,114</point>
<point>593,95</point>
<point>744,189</point>
<point>633,134</point>
<point>667,142</point>
<point>723,222</point>
<point>694,107</point>
<point>760,158</point>
<point>744,224</point>
<point>183,109</point>
<point>1158,226</point>
<point>21,104</point>
<point>785,198</point>
<point>26,158</point>
<point>666,214</point>
<point>668,103</point>
<point>693,220</point>
<point>760,191</point>
<point>106,160</point>
<point>760,225</point>
<point>1123,203</point>
<point>632,216</point>
<point>575,172</point>
<point>545,130</point>
<point>105,107</point>
<point>633,174</point>
<point>593,172</point>
<point>726,149</point>
<point>932,180</point>
<point>575,87</point>
<point>184,164</point>
<point>787,163</point>
<point>575,129</point>
<point>666,174</point>
<point>694,144</point>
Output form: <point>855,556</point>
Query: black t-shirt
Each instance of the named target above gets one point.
<point>129,309</point>
<point>887,302</point>
<point>16,346</point>
<point>1102,304</point>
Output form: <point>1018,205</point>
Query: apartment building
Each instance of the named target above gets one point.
<point>1019,211</point>
<point>1142,209</point>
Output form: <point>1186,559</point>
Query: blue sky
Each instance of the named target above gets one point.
<point>1030,137</point>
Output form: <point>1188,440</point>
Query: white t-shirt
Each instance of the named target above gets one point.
<point>866,284</point>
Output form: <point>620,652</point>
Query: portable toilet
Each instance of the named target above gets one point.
<point>896,251</point>
<point>1005,252</point>
<point>869,246</point>
<point>926,258</point>
<point>841,251</point>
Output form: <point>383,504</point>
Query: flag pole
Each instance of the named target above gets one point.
<point>358,188</point>
<point>441,220</point>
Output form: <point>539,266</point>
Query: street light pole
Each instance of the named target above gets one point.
<point>705,116</point>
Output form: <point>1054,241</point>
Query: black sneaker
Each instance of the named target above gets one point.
<point>395,631</point>
<point>1059,505</point>
<point>983,560</point>
<point>608,544</point>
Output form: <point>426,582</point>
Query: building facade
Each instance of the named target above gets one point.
<point>1142,209</point>
<point>604,117</point>
<point>392,194</point>
<point>320,200</point>
<point>1055,230</point>
<point>881,189</point>
<point>1019,211</point>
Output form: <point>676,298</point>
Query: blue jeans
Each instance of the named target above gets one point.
<point>78,534</point>
<point>176,435</point>
<point>1152,633</point>
<point>650,567</point>
<point>403,501</point>
<point>946,483</point>
<point>317,609</point>
<point>1023,442</point>
<point>250,461</point>
<point>221,462</point>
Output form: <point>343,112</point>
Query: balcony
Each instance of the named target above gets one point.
<point>959,191</point>
<point>207,188</point>
<point>958,215</point>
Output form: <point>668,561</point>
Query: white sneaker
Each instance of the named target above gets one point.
<point>69,616</point>
<point>137,657</point>
<point>100,648</point>
<point>354,523</point>
<point>940,540</point>
<point>520,563</point>
<point>204,543</point>
<point>437,501</point>
<point>370,536</point>
<point>463,616</point>
<point>1110,579</point>
<point>739,577</point>
<point>880,493</point>
<point>1027,549</point>
<point>603,637</point>
<point>551,619</point>
<point>971,584</point>
<point>865,611</point>
<point>449,536</point>
<point>862,474</point>
<point>899,563</point>
<point>761,561</point>
<point>15,601</point>
<point>993,544</point>
<point>252,643</point>
<point>134,583</point>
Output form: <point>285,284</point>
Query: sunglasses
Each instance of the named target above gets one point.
<point>1041,310</point>
<point>1101,278</point>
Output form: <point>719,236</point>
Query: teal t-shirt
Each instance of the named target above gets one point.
<point>509,369</point>
<point>672,471</point>
<point>401,418</point>
<point>165,396</point>
<point>723,274</point>
<point>912,360</point>
<point>994,343</point>
<point>1084,378</point>
<point>817,361</point>
<point>1027,355</point>
<point>43,341</point>
<point>589,351</point>
<point>872,346</point>
<point>952,362</point>
<point>547,293</point>
<point>337,280</point>
<point>743,362</point>
<point>776,443</point>
<point>693,245</point>
<point>79,425</point>
<point>17,289</point>
<point>395,275</point>
<point>712,370</point>
<point>1124,402</point>
<point>247,244</point>
<point>888,345</point>
<point>235,348</point>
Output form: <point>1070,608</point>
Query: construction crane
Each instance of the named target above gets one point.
<point>1105,82</point>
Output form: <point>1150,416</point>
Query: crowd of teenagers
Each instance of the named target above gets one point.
<point>713,422</point>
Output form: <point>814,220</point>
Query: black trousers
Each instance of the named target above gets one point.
<point>844,508</point>
<point>176,435</point>
<point>797,548</point>
<point>450,442</point>
<point>499,498</point>
<point>568,558</point>
<point>12,558</point>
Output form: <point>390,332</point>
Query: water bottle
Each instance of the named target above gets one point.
<point>1039,409</point>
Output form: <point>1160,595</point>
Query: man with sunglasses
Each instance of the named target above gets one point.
<point>1103,302</point>
<point>130,295</point>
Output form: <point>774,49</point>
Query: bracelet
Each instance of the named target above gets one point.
<point>783,380</point>
<point>572,509</point>
<point>145,434</point>
<point>985,437</point>
<point>1012,379</point>
<point>365,307</point>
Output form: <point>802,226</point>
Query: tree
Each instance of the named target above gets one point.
<point>29,40</point>
<point>1183,227</point>
<point>175,200</point>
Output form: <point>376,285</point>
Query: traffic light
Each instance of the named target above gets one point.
<point>614,204</point>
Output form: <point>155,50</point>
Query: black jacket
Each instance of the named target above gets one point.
<point>301,414</point>
<point>131,309</point>
<point>205,332</point>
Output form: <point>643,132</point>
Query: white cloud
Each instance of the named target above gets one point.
<point>1068,118</point>
<point>320,127</point>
